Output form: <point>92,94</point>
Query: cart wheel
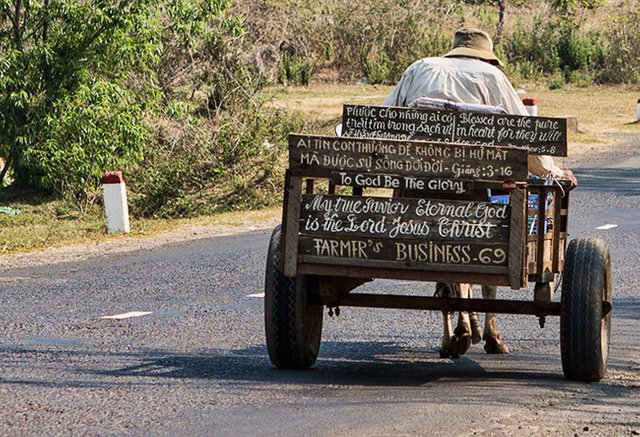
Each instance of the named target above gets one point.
<point>585,321</point>
<point>293,325</point>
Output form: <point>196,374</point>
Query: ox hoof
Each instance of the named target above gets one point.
<point>459,345</point>
<point>476,335</point>
<point>444,353</point>
<point>496,346</point>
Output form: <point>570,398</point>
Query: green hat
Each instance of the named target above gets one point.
<point>473,43</point>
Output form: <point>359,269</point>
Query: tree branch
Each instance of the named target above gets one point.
<point>502,10</point>
<point>15,19</point>
<point>5,170</point>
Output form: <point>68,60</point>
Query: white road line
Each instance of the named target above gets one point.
<point>127,315</point>
<point>256,295</point>
<point>607,226</point>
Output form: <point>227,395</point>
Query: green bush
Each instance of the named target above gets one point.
<point>531,46</point>
<point>579,78</point>
<point>622,52</point>
<point>524,71</point>
<point>386,37</point>
<point>551,45</point>
<point>378,40</point>
<point>375,66</point>
<point>99,127</point>
<point>226,162</point>
<point>579,51</point>
<point>294,69</point>
<point>349,40</point>
<point>69,107</point>
<point>556,81</point>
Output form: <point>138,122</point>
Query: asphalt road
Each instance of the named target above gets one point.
<point>197,364</point>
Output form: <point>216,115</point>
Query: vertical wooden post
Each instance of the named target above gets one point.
<point>517,236</point>
<point>541,223</point>
<point>291,224</point>
<point>310,183</point>
<point>557,223</point>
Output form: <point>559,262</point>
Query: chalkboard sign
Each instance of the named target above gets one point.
<point>400,182</point>
<point>400,218</point>
<point>424,227</point>
<point>401,230</point>
<point>323,156</point>
<point>402,253</point>
<point>541,135</point>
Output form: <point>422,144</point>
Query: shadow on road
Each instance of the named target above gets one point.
<point>340,363</point>
<point>346,365</point>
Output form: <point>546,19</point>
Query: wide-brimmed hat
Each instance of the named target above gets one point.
<point>474,43</point>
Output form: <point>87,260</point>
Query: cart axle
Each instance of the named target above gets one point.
<point>450,304</point>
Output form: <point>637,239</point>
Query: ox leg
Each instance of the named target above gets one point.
<point>446,290</point>
<point>476,332</point>
<point>461,340</point>
<point>493,343</point>
<point>445,350</point>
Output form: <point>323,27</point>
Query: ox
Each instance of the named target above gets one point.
<point>457,342</point>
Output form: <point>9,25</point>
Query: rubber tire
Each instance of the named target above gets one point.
<point>584,333</point>
<point>293,325</point>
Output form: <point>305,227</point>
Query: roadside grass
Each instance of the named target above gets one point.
<point>600,111</point>
<point>43,222</point>
<point>322,103</point>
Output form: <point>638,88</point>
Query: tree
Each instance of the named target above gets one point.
<point>67,82</point>
<point>502,11</point>
<point>567,7</point>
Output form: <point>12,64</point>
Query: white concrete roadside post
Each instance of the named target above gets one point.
<point>115,202</point>
<point>638,111</point>
<point>531,105</point>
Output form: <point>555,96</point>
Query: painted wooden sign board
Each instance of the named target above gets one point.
<point>395,232</point>
<point>540,135</point>
<point>340,157</point>
<point>404,231</point>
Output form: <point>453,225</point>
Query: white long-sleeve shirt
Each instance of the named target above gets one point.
<point>465,80</point>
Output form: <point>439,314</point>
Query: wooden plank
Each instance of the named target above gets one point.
<point>403,274</point>
<point>400,265</point>
<point>541,225</point>
<point>400,182</point>
<point>283,221</point>
<point>517,272</point>
<point>404,218</point>
<point>293,190</point>
<point>320,156</point>
<point>563,225</point>
<point>309,185</point>
<point>541,135</point>
<point>417,253</point>
<point>534,237</point>
<point>501,306</point>
<point>556,232</point>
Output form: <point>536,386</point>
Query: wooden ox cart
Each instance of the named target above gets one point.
<point>437,196</point>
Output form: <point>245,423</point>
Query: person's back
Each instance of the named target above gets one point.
<point>458,79</point>
<point>469,73</point>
